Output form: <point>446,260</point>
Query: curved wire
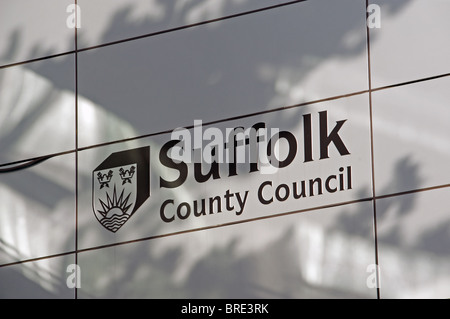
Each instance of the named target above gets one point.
<point>27,164</point>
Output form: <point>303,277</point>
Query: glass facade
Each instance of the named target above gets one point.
<point>224,149</point>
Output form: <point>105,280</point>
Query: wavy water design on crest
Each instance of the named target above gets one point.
<point>115,222</point>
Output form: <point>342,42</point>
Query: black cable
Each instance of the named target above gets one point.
<point>27,164</point>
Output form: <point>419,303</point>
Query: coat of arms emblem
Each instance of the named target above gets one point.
<point>120,185</point>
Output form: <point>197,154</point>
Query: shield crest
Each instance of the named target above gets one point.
<point>120,185</point>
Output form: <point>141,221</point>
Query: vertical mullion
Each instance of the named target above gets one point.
<point>76,144</point>
<point>369,75</point>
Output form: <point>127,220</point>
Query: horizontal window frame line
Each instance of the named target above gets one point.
<point>420,80</point>
<point>192,230</point>
<point>249,220</point>
<point>152,34</point>
<point>245,221</point>
<point>268,111</point>
<point>233,118</point>
<point>192,25</point>
<point>30,260</point>
<point>237,117</point>
<point>254,219</point>
<point>412,191</point>
<point>47,57</point>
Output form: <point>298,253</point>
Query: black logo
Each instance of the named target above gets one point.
<point>120,185</point>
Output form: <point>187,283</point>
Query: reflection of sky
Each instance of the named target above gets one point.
<point>37,113</point>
